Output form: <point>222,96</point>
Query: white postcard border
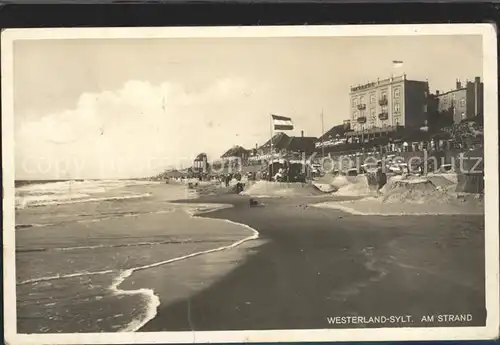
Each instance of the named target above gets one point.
<point>490,331</point>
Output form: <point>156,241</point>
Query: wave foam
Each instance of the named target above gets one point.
<point>65,201</point>
<point>63,276</point>
<point>64,192</point>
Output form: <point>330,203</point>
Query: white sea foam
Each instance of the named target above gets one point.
<point>99,246</point>
<point>21,227</point>
<point>63,276</point>
<point>65,192</point>
<point>65,201</point>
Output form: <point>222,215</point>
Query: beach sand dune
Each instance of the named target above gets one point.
<point>409,196</point>
<point>282,189</point>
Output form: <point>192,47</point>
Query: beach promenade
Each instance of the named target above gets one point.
<point>311,264</point>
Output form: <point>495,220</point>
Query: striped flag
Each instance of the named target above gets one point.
<point>397,63</point>
<point>281,123</point>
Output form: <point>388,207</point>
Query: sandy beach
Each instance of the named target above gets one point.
<point>203,259</point>
<point>315,263</point>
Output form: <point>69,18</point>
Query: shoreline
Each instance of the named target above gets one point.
<point>154,302</point>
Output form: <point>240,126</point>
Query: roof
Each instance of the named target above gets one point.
<point>282,141</point>
<point>441,94</point>
<point>236,151</point>
<point>279,141</point>
<point>332,133</point>
<point>301,143</point>
<point>200,157</point>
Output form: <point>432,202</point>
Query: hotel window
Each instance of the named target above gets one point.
<point>383,95</point>
<point>373,117</point>
<point>372,98</point>
<point>362,100</point>
<point>397,121</point>
<point>354,102</point>
<point>462,102</point>
<point>396,92</point>
<point>397,107</point>
<point>355,114</point>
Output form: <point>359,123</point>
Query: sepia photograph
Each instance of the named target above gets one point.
<point>250,184</point>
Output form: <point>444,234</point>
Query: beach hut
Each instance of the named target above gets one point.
<point>288,170</point>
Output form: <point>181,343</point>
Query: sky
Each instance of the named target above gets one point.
<point>120,108</point>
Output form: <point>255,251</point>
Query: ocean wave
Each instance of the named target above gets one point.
<point>139,244</point>
<point>33,225</point>
<point>63,276</point>
<point>45,199</point>
<point>64,201</point>
<point>114,215</point>
<point>57,192</point>
<point>63,186</point>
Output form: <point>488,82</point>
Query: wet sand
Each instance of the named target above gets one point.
<point>312,263</point>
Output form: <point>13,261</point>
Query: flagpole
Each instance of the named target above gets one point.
<point>322,135</point>
<point>271,143</point>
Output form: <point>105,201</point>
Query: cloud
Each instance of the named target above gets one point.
<point>140,129</point>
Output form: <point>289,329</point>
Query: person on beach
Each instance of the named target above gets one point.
<point>279,175</point>
<point>381,176</point>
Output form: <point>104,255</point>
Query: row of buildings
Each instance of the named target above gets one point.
<point>382,111</point>
<point>396,108</point>
<point>387,105</point>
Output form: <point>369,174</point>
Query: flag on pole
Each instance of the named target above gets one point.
<point>281,123</point>
<point>397,63</point>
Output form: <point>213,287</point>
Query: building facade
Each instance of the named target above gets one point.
<point>236,153</point>
<point>464,102</point>
<point>385,105</point>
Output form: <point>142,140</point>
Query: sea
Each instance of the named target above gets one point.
<point>77,241</point>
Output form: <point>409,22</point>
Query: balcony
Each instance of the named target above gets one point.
<point>383,116</point>
<point>382,101</point>
<point>361,106</point>
<point>361,119</point>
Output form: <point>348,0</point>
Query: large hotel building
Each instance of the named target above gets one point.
<point>385,105</point>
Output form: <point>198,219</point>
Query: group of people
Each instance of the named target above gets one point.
<point>227,178</point>
<point>281,175</point>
